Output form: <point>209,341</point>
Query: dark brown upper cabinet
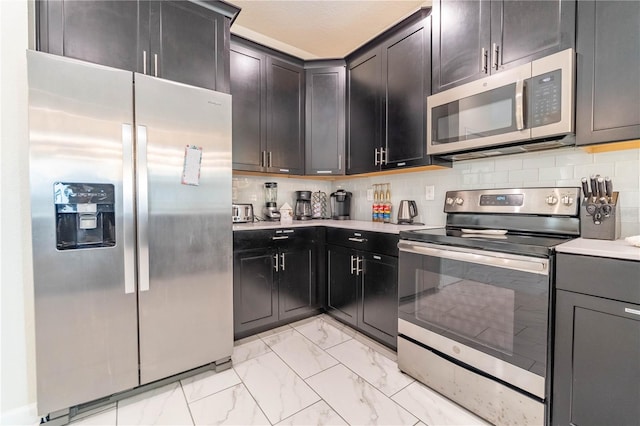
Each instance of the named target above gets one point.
<point>388,82</point>
<point>177,40</point>
<point>608,72</point>
<point>325,118</point>
<point>473,39</point>
<point>268,110</point>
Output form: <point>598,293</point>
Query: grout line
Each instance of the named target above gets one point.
<point>294,372</point>
<point>184,395</point>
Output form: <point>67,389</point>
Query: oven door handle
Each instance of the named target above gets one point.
<point>534,266</point>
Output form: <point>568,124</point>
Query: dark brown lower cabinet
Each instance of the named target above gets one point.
<point>274,282</point>
<point>362,286</point>
<point>596,379</point>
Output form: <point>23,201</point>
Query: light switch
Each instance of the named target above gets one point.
<point>430,192</point>
<point>370,194</point>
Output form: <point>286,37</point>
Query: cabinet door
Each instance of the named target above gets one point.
<point>364,113</point>
<point>297,281</point>
<point>186,43</point>
<point>407,76</point>
<point>342,288</point>
<point>325,117</point>
<point>285,109</point>
<point>597,361</point>
<point>378,314</point>
<point>255,295</point>
<point>524,30</point>
<point>111,33</point>
<point>461,30</point>
<point>249,106</point>
<point>608,87</point>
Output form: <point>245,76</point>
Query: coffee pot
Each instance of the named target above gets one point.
<point>302,210</point>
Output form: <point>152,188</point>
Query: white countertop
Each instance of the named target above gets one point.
<point>361,225</point>
<point>617,249</point>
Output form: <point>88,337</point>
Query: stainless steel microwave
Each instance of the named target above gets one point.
<point>502,113</point>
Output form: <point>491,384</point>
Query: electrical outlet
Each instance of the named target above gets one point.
<point>370,194</point>
<point>430,192</point>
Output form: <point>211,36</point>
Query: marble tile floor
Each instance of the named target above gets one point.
<point>313,372</point>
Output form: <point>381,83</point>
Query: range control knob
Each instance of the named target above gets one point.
<point>459,201</point>
<point>567,200</point>
<point>449,201</point>
<point>551,200</point>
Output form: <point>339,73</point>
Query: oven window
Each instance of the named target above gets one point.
<point>501,312</point>
<point>485,114</point>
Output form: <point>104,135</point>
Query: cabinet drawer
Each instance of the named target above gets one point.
<point>610,278</point>
<point>244,240</point>
<point>378,242</point>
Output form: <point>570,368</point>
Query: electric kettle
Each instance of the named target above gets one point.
<point>407,211</point>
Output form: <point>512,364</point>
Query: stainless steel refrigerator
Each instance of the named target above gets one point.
<point>132,242</point>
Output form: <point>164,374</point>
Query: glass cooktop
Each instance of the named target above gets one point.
<point>510,242</point>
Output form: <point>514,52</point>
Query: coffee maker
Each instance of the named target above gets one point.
<point>341,205</point>
<point>270,210</point>
<point>302,210</point>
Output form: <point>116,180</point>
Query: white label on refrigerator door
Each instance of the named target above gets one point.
<point>191,170</point>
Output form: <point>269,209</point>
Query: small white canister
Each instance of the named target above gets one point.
<point>286,214</point>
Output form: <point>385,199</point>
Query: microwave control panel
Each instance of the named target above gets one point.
<point>544,98</point>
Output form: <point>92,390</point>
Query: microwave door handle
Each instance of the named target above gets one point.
<point>520,104</point>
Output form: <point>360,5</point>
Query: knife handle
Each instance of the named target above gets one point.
<point>608,186</point>
<point>601,187</point>
<point>585,187</point>
<point>594,187</point>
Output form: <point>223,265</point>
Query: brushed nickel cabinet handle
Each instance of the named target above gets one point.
<point>144,62</point>
<point>155,64</point>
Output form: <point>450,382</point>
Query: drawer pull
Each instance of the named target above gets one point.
<point>632,311</point>
<point>281,237</point>
<point>357,240</point>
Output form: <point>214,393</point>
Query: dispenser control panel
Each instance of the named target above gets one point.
<point>85,215</point>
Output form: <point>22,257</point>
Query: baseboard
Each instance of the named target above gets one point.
<point>25,415</point>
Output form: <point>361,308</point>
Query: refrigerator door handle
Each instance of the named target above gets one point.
<point>127,209</point>
<point>143,208</point>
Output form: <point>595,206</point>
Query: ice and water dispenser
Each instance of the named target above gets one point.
<point>85,216</point>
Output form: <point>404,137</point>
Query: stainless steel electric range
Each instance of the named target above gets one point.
<point>476,298</point>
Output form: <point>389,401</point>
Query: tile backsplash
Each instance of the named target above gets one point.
<point>561,167</point>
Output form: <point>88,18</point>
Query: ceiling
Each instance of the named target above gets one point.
<point>319,29</point>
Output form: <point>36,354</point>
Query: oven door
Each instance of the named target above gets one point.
<point>487,310</point>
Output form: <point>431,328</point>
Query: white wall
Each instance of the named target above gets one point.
<point>561,167</point>
<point>17,362</point>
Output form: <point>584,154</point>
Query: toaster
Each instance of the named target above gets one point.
<point>242,213</point>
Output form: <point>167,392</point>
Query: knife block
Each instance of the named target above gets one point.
<point>607,227</point>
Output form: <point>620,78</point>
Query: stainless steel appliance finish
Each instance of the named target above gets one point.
<point>302,209</point>
<point>503,113</point>
<point>270,210</point>
<point>600,210</point>
<point>407,211</point>
<point>242,213</point>
<point>159,301</point>
<point>474,299</point>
